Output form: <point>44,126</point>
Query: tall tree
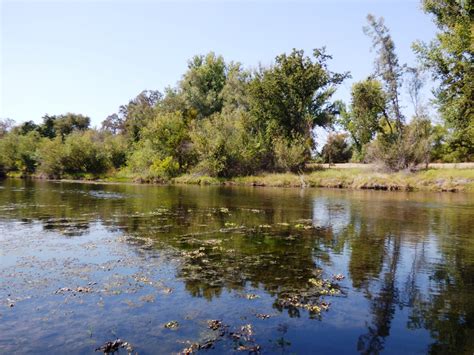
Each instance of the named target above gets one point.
<point>450,58</point>
<point>387,66</point>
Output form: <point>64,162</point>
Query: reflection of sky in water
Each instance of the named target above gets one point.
<point>331,212</point>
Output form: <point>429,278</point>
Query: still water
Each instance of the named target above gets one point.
<point>234,270</point>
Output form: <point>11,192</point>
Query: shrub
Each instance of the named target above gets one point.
<point>51,154</point>
<point>225,146</point>
<point>290,155</point>
<point>18,152</point>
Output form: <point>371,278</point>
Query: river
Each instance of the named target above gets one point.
<point>234,269</point>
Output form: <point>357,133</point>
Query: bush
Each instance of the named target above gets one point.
<point>18,152</point>
<point>166,168</point>
<point>225,147</point>
<point>51,155</point>
<point>290,155</point>
<point>398,152</point>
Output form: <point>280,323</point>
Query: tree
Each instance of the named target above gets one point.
<point>138,112</point>
<point>113,124</point>
<point>70,122</point>
<point>201,86</point>
<point>293,96</point>
<point>450,58</point>
<point>366,112</point>
<point>168,134</point>
<point>26,127</point>
<point>415,83</point>
<point>337,149</point>
<point>387,66</point>
<point>6,125</point>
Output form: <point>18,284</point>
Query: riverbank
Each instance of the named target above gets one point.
<point>349,178</point>
<point>433,179</point>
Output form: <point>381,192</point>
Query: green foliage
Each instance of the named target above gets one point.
<point>138,112</point>
<point>83,154</point>
<point>367,110</point>
<point>168,135</point>
<point>141,158</point>
<point>115,148</point>
<point>337,149</point>
<point>291,155</point>
<point>225,146</point>
<point>18,152</point>
<point>166,168</point>
<point>292,97</point>
<point>450,58</point>
<point>51,155</point>
<point>202,84</point>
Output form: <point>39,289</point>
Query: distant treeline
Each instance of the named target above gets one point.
<point>224,120</point>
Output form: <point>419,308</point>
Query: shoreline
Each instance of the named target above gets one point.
<point>435,180</point>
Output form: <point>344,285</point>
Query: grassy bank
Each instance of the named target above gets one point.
<point>445,179</point>
<point>429,180</point>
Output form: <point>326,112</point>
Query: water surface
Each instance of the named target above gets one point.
<point>282,270</point>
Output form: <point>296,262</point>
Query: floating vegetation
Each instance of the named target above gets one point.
<point>214,324</point>
<point>251,296</point>
<point>75,290</point>
<point>242,338</point>
<point>111,347</point>
<point>172,325</point>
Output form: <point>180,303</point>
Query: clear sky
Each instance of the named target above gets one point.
<point>90,57</point>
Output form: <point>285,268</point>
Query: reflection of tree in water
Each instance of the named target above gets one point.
<point>378,237</point>
<point>382,303</point>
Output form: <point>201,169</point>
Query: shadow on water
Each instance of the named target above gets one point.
<point>122,260</point>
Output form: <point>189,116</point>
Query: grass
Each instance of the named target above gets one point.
<point>351,178</point>
<point>432,179</point>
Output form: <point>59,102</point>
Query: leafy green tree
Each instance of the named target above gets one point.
<point>84,154</point>
<point>450,58</point>
<point>115,147</point>
<point>366,112</point>
<point>26,127</point>
<point>293,96</point>
<point>337,149</point>
<point>235,91</point>
<point>168,134</point>
<point>202,84</point>
<point>70,122</point>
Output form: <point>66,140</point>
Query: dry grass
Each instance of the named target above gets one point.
<point>432,179</point>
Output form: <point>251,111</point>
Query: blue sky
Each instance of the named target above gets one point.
<point>90,57</point>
